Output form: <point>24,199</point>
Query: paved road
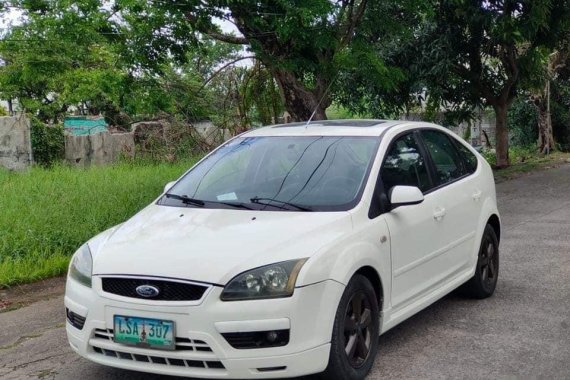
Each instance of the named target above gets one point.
<point>521,332</point>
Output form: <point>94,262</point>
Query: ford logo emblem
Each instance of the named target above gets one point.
<point>147,291</point>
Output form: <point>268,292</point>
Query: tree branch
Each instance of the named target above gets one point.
<point>508,57</point>
<point>230,39</point>
<point>223,37</point>
<point>223,68</point>
<point>354,18</point>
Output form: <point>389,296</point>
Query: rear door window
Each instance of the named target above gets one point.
<point>447,161</point>
<point>469,158</point>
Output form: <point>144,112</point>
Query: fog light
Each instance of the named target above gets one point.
<point>257,339</point>
<point>75,320</point>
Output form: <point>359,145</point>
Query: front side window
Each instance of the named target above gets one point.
<point>280,173</point>
<point>405,166</point>
<point>445,157</point>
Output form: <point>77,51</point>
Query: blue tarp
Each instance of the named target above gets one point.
<point>84,125</point>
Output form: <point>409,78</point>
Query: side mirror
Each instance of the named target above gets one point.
<point>405,196</point>
<point>168,186</point>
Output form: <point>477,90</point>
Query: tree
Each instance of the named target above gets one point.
<point>477,52</point>
<point>94,57</point>
<point>554,64</point>
<point>59,57</point>
<point>302,43</point>
<point>73,56</point>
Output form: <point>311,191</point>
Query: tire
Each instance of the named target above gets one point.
<point>484,281</point>
<point>362,337</point>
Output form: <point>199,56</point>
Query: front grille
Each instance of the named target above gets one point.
<point>207,364</point>
<point>76,320</point>
<point>169,290</point>
<point>257,339</point>
<point>182,344</point>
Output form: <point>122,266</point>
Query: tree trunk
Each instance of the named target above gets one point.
<point>545,134</point>
<point>299,101</point>
<point>501,135</point>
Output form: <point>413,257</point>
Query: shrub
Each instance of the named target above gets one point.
<point>48,143</point>
<point>523,123</point>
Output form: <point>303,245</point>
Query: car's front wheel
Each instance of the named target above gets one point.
<point>355,333</point>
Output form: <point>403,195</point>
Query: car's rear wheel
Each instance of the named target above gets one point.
<point>484,281</point>
<point>355,333</point>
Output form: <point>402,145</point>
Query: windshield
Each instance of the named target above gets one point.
<point>300,173</point>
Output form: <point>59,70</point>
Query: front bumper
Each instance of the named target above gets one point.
<point>309,314</point>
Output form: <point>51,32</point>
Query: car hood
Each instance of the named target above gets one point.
<point>213,245</point>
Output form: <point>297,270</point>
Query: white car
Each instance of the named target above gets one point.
<point>287,251</point>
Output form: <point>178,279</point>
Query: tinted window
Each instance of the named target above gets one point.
<point>404,165</point>
<point>446,159</point>
<point>319,172</point>
<point>469,158</point>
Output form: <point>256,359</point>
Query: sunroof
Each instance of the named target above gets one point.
<point>334,123</point>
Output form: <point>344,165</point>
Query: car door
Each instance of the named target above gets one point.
<point>415,234</point>
<point>456,194</point>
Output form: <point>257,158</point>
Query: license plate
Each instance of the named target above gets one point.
<point>144,332</point>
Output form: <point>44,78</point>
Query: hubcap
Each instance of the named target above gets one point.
<point>357,329</point>
<point>489,264</point>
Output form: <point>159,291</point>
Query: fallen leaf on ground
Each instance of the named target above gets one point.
<point>4,304</point>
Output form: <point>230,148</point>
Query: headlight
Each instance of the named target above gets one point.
<point>81,267</point>
<point>271,281</point>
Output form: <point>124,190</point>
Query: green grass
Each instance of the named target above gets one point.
<point>46,214</point>
<point>524,160</point>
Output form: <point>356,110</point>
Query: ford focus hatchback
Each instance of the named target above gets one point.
<point>287,251</point>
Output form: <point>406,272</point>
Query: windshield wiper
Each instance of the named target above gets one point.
<point>186,199</point>
<point>268,202</point>
<point>236,205</point>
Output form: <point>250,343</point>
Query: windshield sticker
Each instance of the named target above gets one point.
<point>227,197</point>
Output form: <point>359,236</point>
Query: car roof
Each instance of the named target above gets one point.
<point>361,127</point>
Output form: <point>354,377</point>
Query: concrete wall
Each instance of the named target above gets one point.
<point>212,134</point>
<point>15,142</point>
<point>98,149</point>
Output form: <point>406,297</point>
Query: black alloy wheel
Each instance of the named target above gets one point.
<point>357,330</point>
<point>484,281</point>
<point>489,262</point>
<point>354,342</point>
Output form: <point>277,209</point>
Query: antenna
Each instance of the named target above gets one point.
<point>320,101</point>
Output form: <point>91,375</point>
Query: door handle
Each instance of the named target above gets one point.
<point>477,195</point>
<point>439,213</point>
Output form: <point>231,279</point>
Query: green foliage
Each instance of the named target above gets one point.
<point>48,213</point>
<point>261,95</point>
<point>336,112</point>
<point>465,54</point>
<point>3,111</point>
<point>490,156</point>
<point>306,45</point>
<point>560,108</point>
<point>523,123</point>
<point>518,154</point>
<point>59,57</point>
<point>48,143</point>
<point>474,51</point>
<point>380,76</point>
<point>523,118</point>
<point>75,54</point>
